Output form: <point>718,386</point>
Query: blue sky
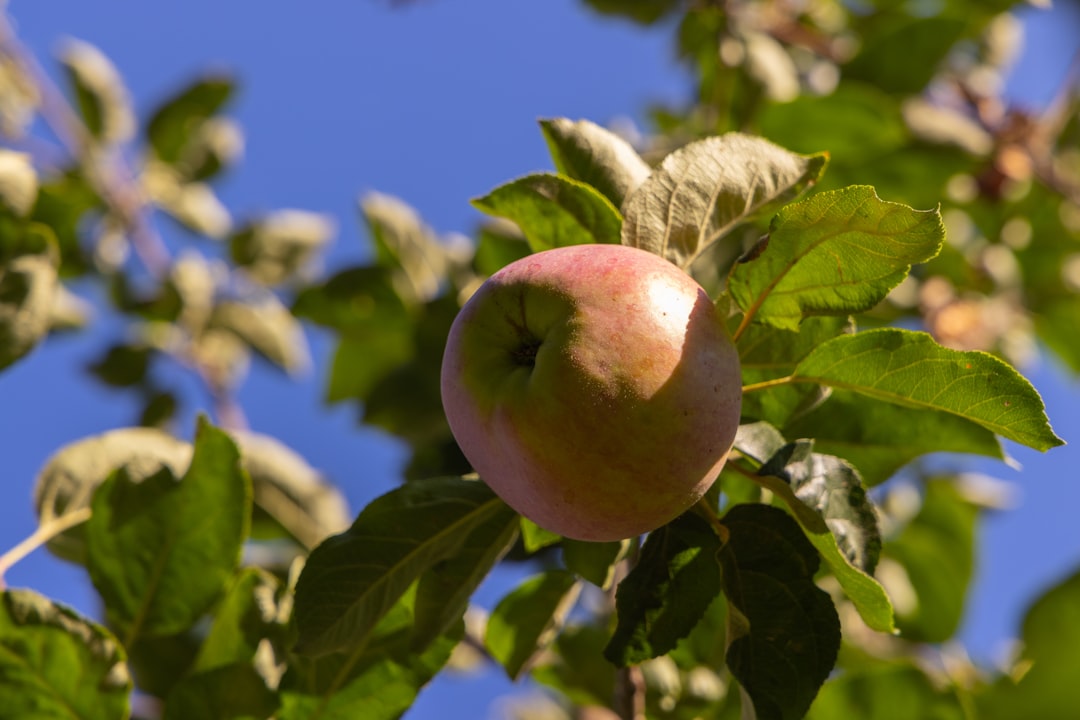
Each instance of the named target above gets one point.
<point>436,102</point>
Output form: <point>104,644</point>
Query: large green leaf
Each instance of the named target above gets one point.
<point>879,438</point>
<point>56,664</point>
<point>836,253</point>
<point>226,692</point>
<point>1048,689</point>
<point>664,596</point>
<point>937,552</point>
<point>703,190</point>
<point>910,368</point>
<point>554,211</point>
<point>160,551</point>
<point>376,680</point>
<point>526,621</point>
<point>352,580</point>
<point>784,631</point>
<point>596,156</point>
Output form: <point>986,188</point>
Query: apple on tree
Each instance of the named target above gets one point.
<point>594,388</point>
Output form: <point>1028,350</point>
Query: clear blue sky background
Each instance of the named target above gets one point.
<point>435,103</point>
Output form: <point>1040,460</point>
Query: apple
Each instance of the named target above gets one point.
<point>594,388</point>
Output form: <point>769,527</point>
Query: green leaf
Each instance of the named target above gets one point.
<point>888,691</point>
<point>937,551</point>
<point>376,680</point>
<point>407,246</point>
<point>71,475</point>
<point>55,663</point>
<point>593,561</point>
<point>443,592</point>
<point>28,284</point>
<point>596,156</point>
<point>1050,636</point>
<point>353,579</point>
<point>576,667</point>
<point>175,122</point>
<point>554,211</point>
<point>499,243</point>
<point>279,246</point>
<point>122,365</point>
<point>535,537</point>
<point>528,619</point>
<point>703,190</point>
<point>103,101</point>
<point>879,438</point>
<point>910,368</point>
<point>834,491</point>
<point>249,613</point>
<point>835,253</point>
<point>62,203</point>
<point>664,596</point>
<point>645,12</point>
<point>267,327</point>
<point>160,551</point>
<point>768,353</point>
<point>827,499</point>
<point>226,692</point>
<point>784,632</point>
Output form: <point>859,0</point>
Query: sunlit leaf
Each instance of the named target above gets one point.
<point>55,663</point>
<point>176,121</point>
<point>703,190</point>
<point>100,95</point>
<point>268,327</point>
<point>584,151</point>
<point>28,282</point>
<point>836,253</point>
<point>911,369</point>
<point>554,211</point>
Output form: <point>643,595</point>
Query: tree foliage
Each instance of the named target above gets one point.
<point>887,238</point>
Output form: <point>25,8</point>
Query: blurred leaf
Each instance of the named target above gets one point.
<point>122,365</point>
<point>879,438</point>
<point>645,12</point>
<point>28,283</point>
<point>62,203</point>
<point>1047,689</point>
<point>406,245</point>
<point>900,53</point>
<point>55,663</point>
<point>887,691</point>
<point>911,369</point>
<point>268,327</point>
<point>159,663</point>
<point>703,190</point>
<point>785,634</point>
<point>226,692</point>
<point>160,551</point>
<point>177,120</point>
<point>18,182</point>
<point>71,475</point>
<point>835,253</point>
<point>443,592</point>
<point>526,621</point>
<point>1056,324</point>
<point>664,596</point>
<point>353,579</point>
<point>937,549</point>
<point>247,614</point>
<point>767,353</point>
<point>586,152</point>
<point>159,409</point>
<point>577,667</point>
<point>281,245</point>
<point>289,493</point>
<point>100,95</point>
<point>554,211</point>
<point>593,561</point>
<point>375,680</point>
